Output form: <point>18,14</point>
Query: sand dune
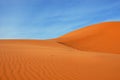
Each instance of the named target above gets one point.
<point>79,55</point>
<point>103,37</point>
<point>49,60</point>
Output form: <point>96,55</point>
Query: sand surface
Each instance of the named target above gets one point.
<point>49,60</point>
<point>102,37</point>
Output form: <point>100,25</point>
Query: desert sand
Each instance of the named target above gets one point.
<point>102,37</point>
<point>54,60</point>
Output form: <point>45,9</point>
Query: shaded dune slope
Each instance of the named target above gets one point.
<point>48,60</point>
<point>102,37</point>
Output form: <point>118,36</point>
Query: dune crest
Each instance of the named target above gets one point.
<point>102,37</point>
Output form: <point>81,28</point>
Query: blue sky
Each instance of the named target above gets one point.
<point>45,19</point>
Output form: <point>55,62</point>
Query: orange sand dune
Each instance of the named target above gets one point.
<point>103,37</point>
<point>49,60</point>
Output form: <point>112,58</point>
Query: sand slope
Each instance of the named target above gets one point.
<point>48,60</point>
<point>102,37</point>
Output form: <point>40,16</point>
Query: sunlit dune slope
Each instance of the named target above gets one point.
<point>48,60</point>
<point>102,37</point>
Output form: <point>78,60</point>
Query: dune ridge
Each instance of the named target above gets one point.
<point>102,37</point>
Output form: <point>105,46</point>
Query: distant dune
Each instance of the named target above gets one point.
<point>69,57</point>
<point>102,37</point>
